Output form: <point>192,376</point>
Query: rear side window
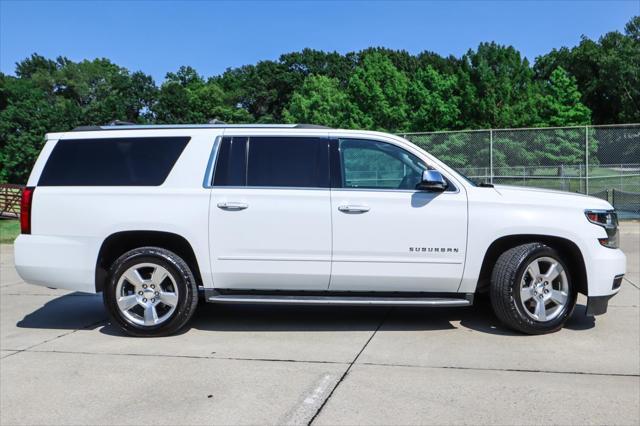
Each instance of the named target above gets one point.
<point>286,162</point>
<point>231,169</point>
<point>112,161</point>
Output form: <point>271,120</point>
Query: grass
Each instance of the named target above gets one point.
<point>9,230</point>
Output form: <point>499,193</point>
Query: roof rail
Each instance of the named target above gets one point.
<point>120,125</point>
<point>311,126</point>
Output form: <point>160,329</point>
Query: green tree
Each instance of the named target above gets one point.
<point>560,104</point>
<point>264,89</point>
<point>316,62</point>
<point>504,88</point>
<point>321,101</point>
<point>433,102</point>
<point>27,113</point>
<point>185,97</point>
<point>607,72</point>
<point>379,89</point>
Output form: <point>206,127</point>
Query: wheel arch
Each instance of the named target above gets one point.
<point>569,251</point>
<point>119,243</point>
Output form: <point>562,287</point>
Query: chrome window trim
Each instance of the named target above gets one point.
<point>397,190</point>
<point>207,182</point>
<point>305,188</point>
<point>282,188</point>
<point>213,158</point>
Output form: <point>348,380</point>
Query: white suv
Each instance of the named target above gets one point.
<point>153,216</point>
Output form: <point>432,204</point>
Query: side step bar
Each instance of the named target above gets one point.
<point>215,297</point>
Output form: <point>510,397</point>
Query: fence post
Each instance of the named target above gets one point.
<point>491,155</point>
<point>586,160</point>
<point>613,197</point>
<point>621,173</point>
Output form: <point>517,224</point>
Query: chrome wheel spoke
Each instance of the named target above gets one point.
<point>534,269</point>
<point>540,311</point>
<point>127,302</point>
<point>525,294</point>
<point>159,275</point>
<point>554,270</point>
<point>169,299</point>
<point>133,277</point>
<point>559,297</point>
<point>150,315</point>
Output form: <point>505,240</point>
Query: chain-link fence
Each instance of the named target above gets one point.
<point>602,161</point>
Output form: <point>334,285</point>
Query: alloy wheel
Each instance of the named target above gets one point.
<point>544,289</point>
<point>147,294</point>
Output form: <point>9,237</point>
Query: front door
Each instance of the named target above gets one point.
<point>270,219</point>
<point>388,236</point>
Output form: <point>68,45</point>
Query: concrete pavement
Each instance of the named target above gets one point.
<point>62,363</point>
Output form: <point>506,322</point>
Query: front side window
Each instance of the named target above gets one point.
<point>371,164</point>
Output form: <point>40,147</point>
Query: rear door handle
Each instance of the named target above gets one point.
<point>353,209</point>
<point>231,205</point>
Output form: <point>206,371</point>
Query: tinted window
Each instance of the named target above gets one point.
<point>112,161</point>
<point>231,167</point>
<point>378,165</point>
<point>288,162</point>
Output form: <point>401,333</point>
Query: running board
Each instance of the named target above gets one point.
<point>215,297</point>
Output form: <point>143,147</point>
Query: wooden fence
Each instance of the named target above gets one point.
<point>10,196</point>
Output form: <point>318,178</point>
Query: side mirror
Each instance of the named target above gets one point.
<point>432,180</point>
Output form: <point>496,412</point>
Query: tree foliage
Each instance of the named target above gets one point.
<point>321,101</point>
<point>595,82</point>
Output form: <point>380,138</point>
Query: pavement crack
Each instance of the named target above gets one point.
<point>346,372</point>
<point>631,282</point>
<point>509,370</point>
<point>28,349</point>
<point>185,356</point>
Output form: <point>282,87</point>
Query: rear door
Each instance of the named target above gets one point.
<point>387,235</point>
<point>270,218</point>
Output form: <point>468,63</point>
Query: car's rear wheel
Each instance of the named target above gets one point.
<point>531,289</point>
<point>150,292</point>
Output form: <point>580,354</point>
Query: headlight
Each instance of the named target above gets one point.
<point>608,219</point>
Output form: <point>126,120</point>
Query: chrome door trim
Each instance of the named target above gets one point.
<point>207,182</point>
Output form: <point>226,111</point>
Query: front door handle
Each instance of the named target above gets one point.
<point>233,205</point>
<point>353,209</point>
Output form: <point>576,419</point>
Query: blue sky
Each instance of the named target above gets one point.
<point>157,37</point>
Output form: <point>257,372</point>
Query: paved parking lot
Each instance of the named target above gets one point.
<point>62,363</point>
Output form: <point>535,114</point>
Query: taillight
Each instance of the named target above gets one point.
<point>25,209</point>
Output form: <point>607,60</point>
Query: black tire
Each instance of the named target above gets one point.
<point>181,274</point>
<point>505,289</point>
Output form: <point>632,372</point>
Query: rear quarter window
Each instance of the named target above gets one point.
<point>112,161</point>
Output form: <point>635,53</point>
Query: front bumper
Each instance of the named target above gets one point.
<point>597,305</point>
<point>605,270</point>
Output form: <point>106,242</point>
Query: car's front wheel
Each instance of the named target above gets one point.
<point>531,289</point>
<point>150,292</point>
